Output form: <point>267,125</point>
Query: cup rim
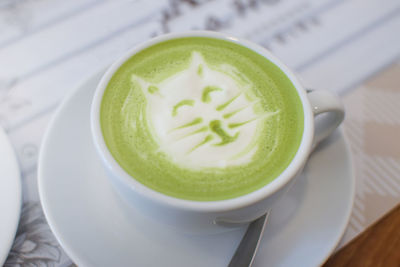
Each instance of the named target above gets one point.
<point>135,186</point>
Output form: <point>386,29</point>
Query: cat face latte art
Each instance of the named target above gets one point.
<point>202,119</point>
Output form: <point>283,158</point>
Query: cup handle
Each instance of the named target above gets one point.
<point>328,112</point>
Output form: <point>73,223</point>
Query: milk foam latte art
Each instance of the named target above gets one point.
<point>201,119</point>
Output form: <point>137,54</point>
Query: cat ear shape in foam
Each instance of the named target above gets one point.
<point>197,63</point>
<point>146,87</point>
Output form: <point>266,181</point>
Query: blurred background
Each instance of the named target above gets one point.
<point>48,47</point>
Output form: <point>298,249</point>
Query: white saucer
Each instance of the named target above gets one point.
<point>10,195</point>
<point>96,229</point>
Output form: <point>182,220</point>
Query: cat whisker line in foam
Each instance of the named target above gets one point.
<point>207,139</point>
<point>227,103</point>
<point>263,116</point>
<point>195,132</point>
<point>194,122</point>
<point>232,113</point>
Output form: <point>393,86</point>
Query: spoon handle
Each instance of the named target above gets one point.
<point>246,251</point>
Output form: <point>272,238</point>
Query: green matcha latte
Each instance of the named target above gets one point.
<point>201,119</point>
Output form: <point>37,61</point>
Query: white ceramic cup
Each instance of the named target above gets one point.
<point>214,216</point>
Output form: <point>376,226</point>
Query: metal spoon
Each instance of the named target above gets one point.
<point>247,249</point>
